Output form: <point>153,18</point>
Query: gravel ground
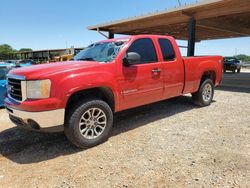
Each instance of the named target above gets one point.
<point>168,144</point>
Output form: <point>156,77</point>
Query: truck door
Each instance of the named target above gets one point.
<point>142,83</point>
<point>173,69</point>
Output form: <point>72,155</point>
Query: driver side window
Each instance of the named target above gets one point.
<point>145,48</point>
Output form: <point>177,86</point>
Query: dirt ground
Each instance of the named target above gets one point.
<point>168,144</point>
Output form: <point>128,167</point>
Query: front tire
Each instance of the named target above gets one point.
<point>89,123</point>
<point>238,70</point>
<point>204,96</point>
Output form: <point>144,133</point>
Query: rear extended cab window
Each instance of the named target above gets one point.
<point>167,49</point>
<point>146,49</point>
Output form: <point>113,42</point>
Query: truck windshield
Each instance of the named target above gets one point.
<point>101,52</point>
<point>231,60</point>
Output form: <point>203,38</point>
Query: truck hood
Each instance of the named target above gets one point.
<point>46,70</point>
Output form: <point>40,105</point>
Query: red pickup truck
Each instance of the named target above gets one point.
<point>81,96</point>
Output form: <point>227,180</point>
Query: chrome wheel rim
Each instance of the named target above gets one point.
<point>92,123</point>
<point>207,92</point>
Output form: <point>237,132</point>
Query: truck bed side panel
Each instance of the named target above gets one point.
<point>195,67</point>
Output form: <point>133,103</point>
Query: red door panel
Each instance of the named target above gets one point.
<point>141,84</point>
<point>173,67</point>
<point>173,78</point>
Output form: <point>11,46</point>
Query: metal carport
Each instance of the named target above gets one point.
<point>205,20</point>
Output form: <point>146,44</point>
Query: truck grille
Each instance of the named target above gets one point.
<point>15,88</point>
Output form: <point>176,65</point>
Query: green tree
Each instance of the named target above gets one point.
<point>25,50</point>
<point>6,52</point>
<point>243,57</point>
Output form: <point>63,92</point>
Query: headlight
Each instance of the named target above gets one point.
<point>39,89</point>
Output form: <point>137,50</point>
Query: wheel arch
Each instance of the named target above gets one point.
<point>103,93</point>
<point>211,74</point>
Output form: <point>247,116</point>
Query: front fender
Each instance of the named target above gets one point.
<point>73,83</point>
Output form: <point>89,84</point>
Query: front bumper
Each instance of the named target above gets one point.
<point>45,121</point>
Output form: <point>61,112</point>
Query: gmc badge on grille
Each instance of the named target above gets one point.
<point>10,88</point>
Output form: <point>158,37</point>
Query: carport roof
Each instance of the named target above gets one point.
<point>215,19</point>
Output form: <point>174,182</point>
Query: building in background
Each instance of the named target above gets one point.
<point>48,55</point>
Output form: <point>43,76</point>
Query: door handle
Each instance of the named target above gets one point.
<point>156,70</point>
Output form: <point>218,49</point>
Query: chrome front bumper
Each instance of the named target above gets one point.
<point>43,120</point>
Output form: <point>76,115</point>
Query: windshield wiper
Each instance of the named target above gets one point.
<point>86,59</point>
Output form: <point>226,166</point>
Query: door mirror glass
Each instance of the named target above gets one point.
<point>131,58</point>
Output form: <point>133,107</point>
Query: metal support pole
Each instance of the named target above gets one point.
<point>111,35</point>
<point>42,56</point>
<point>191,37</point>
<point>48,56</point>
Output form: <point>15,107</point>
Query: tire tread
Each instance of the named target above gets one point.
<point>197,96</point>
<point>74,114</point>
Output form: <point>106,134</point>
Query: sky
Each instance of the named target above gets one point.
<point>49,24</point>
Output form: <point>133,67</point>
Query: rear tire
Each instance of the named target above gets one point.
<point>204,96</point>
<point>89,123</point>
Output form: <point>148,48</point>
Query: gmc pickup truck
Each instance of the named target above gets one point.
<point>80,97</point>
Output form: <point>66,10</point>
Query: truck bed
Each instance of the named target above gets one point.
<point>193,70</point>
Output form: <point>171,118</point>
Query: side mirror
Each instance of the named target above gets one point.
<point>131,58</point>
